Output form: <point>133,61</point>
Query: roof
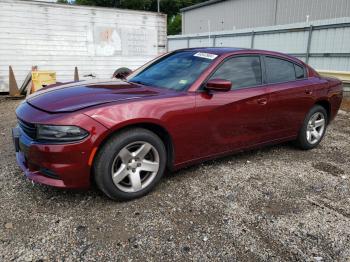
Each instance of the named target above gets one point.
<point>210,2</point>
<point>231,50</point>
<point>213,50</point>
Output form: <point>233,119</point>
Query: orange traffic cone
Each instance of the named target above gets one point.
<point>76,74</point>
<point>14,91</point>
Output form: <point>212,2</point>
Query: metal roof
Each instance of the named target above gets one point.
<point>200,5</point>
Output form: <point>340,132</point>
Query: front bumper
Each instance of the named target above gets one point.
<point>59,165</point>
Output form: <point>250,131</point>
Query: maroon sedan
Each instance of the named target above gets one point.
<point>185,107</point>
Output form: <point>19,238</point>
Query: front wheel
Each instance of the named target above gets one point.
<point>130,164</point>
<point>313,129</point>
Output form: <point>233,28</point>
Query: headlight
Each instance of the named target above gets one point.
<point>60,133</point>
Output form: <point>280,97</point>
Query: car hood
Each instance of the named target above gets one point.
<point>78,95</point>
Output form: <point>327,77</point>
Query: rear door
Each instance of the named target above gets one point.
<point>234,119</point>
<point>290,96</point>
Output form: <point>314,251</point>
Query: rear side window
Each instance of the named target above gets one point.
<point>279,70</point>
<point>299,72</point>
<point>242,71</point>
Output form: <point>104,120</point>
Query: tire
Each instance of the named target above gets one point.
<point>121,73</point>
<point>130,164</point>
<point>307,138</point>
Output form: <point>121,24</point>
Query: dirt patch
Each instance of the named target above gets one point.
<point>277,208</point>
<point>329,168</point>
<point>346,104</point>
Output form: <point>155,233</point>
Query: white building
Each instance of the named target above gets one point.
<point>59,37</point>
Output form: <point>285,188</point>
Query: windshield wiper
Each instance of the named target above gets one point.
<point>140,82</point>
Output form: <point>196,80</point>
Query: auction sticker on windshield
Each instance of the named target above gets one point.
<point>205,55</point>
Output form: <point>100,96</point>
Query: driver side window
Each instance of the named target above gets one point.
<point>242,71</point>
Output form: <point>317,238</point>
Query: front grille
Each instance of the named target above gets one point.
<point>28,128</point>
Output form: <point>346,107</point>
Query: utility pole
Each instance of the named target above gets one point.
<point>158,6</point>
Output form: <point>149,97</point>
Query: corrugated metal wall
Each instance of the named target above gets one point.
<point>229,15</point>
<point>239,14</point>
<point>293,11</point>
<point>60,37</point>
<point>329,42</point>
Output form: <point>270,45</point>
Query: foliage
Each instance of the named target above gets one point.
<point>174,25</point>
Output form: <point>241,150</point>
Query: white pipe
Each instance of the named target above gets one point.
<point>209,44</point>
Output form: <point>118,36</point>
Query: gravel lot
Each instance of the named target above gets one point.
<point>272,204</point>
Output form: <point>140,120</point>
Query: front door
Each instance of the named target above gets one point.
<point>235,119</point>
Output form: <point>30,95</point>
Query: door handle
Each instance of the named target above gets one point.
<point>308,91</point>
<point>262,101</point>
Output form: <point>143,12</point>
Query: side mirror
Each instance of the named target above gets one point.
<point>219,85</point>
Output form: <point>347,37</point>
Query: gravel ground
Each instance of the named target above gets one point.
<point>272,204</point>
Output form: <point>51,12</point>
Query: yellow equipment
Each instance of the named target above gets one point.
<point>344,76</point>
<point>41,79</point>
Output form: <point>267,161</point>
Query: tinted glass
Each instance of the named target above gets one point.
<point>299,72</point>
<point>177,71</point>
<point>279,70</point>
<point>244,71</point>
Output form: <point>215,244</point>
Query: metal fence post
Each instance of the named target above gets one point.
<point>188,42</point>
<point>252,40</point>
<point>214,40</point>
<point>307,55</point>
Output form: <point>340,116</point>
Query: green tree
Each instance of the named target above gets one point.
<point>126,4</point>
<point>174,25</point>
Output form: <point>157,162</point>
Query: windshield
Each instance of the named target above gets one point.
<point>177,71</point>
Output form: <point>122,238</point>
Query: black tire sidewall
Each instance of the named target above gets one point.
<point>107,153</point>
<point>302,139</point>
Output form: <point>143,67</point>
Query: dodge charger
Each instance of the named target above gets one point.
<point>182,108</point>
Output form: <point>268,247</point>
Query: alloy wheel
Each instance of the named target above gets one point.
<point>315,127</point>
<point>135,166</point>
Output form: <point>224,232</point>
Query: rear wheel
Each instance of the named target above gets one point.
<point>313,129</point>
<point>130,164</point>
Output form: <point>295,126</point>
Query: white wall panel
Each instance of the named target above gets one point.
<point>201,42</point>
<point>59,37</point>
<point>335,40</point>
<point>238,41</point>
<point>291,42</point>
<point>330,63</point>
<point>177,44</point>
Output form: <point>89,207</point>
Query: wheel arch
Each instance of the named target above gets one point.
<point>327,106</point>
<point>156,128</point>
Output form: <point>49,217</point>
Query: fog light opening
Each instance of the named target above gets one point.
<point>48,173</point>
